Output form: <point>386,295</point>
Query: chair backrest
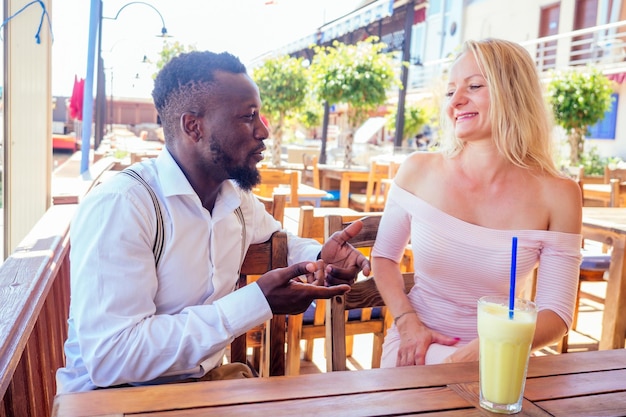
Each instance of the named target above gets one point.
<point>374,198</point>
<point>275,205</point>
<point>273,178</point>
<point>375,191</point>
<point>312,226</point>
<point>394,166</point>
<point>310,171</point>
<point>363,295</point>
<point>614,173</point>
<point>261,258</point>
<point>367,235</point>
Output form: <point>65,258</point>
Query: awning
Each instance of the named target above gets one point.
<point>348,23</point>
<point>618,77</point>
<point>373,12</point>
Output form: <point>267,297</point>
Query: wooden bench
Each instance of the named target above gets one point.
<point>71,190</point>
<point>34,303</point>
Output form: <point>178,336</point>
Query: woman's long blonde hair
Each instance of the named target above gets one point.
<point>520,121</point>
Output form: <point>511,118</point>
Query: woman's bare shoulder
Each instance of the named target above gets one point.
<point>563,196</point>
<point>420,162</point>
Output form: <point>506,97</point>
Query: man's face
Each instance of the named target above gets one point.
<point>236,131</point>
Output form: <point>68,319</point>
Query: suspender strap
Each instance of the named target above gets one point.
<point>159,238</point>
<point>239,215</point>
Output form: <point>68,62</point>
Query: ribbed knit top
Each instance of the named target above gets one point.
<point>457,262</point>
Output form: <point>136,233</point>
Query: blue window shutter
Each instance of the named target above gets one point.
<point>605,128</point>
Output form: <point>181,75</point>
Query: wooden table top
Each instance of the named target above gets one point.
<point>613,218</point>
<point>572,384</point>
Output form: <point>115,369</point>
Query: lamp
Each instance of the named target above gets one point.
<point>100,110</point>
<point>163,34</point>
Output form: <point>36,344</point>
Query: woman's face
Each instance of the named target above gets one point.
<point>468,100</point>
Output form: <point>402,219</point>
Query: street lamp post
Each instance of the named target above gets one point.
<point>100,110</point>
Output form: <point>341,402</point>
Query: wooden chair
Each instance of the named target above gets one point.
<point>592,267</point>
<point>368,321</point>
<point>616,177</point>
<point>269,349</point>
<point>275,205</point>
<point>310,170</point>
<point>614,173</point>
<point>273,178</point>
<point>374,197</point>
<point>311,176</point>
<point>363,295</point>
<point>310,325</point>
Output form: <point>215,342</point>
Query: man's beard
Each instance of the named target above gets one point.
<point>246,177</point>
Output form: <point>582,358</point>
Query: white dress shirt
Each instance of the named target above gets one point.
<point>130,323</point>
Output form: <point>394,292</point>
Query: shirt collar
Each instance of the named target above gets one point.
<point>173,182</point>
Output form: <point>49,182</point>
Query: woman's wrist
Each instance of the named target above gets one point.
<point>401,315</point>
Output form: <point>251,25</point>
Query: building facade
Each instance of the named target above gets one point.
<point>559,34</point>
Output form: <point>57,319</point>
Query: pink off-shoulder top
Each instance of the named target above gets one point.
<point>457,262</point>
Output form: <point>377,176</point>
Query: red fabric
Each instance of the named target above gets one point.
<point>76,101</point>
<point>619,77</point>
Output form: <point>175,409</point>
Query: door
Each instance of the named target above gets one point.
<point>583,47</point>
<point>548,26</point>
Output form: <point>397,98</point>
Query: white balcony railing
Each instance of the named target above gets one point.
<point>602,46</point>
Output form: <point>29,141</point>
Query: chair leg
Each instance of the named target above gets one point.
<point>349,346</point>
<point>563,345</point>
<point>377,349</point>
<point>294,334</point>
<point>308,350</point>
<point>576,306</point>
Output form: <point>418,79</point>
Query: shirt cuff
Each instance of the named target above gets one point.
<point>249,309</point>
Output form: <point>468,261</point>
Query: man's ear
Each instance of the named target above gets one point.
<point>191,126</point>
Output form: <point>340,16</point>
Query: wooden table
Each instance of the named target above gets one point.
<point>572,384</point>
<point>345,177</point>
<point>608,225</point>
<point>292,215</point>
<point>306,193</point>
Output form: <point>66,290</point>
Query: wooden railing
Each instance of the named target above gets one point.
<point>34,302</point>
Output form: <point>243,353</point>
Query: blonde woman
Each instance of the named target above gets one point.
<point>493,179</point>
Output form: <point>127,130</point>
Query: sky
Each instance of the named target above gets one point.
<point>246,28</point>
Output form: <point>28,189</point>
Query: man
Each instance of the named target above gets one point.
<point>133,320</point>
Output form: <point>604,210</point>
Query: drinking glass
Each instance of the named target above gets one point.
<point>505,339</point>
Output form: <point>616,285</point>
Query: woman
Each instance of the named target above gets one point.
<point>493,179</point>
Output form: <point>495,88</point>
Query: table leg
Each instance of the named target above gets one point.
<point>344,193</point>
<point>614,317</point>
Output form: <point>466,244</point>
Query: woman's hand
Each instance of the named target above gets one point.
<point>415,339</point>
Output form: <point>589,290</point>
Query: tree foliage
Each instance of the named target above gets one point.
<point>169,51</point>
<point>359,75</point>
<point>579,98</point>
<point>415,117</point>
<point>283,84</point>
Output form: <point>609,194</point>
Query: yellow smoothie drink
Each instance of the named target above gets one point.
<point>504,350</point>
